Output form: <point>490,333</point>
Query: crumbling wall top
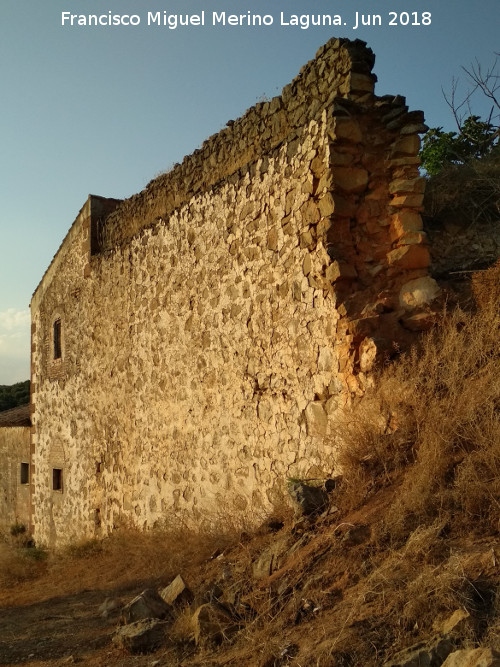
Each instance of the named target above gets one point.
<point>341,68</point>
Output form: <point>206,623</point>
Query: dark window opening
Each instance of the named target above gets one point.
<point>57,479</point>
<point>25,473</point>
<point>57,339</point>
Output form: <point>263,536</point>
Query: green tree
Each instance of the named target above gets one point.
<point>476,139</point>
<point>13,395</point>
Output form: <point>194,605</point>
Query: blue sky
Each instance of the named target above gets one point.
<point>103,110</point>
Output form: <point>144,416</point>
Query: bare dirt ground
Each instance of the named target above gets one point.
<point>336,598</point>
<point>65,629</point>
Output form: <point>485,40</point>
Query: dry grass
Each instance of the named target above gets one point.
<point>19,564</point>
<point>439,429</point>
<point>127,559</point>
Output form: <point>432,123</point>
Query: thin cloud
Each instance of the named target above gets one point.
<point>12,320</point>
<point>14,345</point>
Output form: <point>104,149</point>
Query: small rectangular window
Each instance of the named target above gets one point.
<point>25,473</point>
<point>57,481</point>
<point>57,339</point>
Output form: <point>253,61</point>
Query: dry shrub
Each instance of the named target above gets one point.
<point>466,194</point>
<point>131,555</point>
<point>128,559</point>
<point>371,448</point>
<point>19,564</point>
<point>439,414</point>
<point>486,287</point>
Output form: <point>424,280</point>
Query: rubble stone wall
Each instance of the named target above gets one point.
<point>14,491</point>
<point>223,315</point>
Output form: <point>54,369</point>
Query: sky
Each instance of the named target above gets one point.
<point>104,109</point>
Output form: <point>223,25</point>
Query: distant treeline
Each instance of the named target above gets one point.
<point>13,395</point>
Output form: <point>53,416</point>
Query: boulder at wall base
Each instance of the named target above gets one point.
<point>418,292</point>
<point>141,637</point>
<point>308,499</point>
<point>146,605</point>
<point>475,657</point>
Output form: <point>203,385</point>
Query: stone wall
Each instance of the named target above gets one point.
<point>14,469</point>
<point>229,310</point>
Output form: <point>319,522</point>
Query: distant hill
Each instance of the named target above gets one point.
<point>15,394</point>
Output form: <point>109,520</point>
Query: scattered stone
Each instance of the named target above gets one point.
<point>477,657</point>
<point>419,321</point>
<point>270,558</point>
<point>284,656</point>
<point>459,621</point>
<point>357,535</point>
<point>214,622</point>
<point>307,608</point>
<point>308,499</point>
<point>424,654</point>
<point>146,605</point>
<point>108,607</point>
<point>142,636</point>
<point>177,593</point>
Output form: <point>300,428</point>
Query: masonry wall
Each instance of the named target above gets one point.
<point>14,492</point>
<point>229,310</point>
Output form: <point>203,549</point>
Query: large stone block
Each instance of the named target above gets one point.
<point>307,498</point>
<point>407,185</point>
<point>340,271</point>
<point>409,257</point>
<point>410,201</point>
<point>403,222</point>
<point>362,82</point>
<point>350,179</point>
<point>347,129</point>
<point>146,605</point>
<point>141,636</point>
<point>406,145</point>
<point>418,292</point>
<point>176,593</point>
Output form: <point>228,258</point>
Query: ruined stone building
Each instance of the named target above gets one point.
<point>14,468</point>
<point>191,345</point>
